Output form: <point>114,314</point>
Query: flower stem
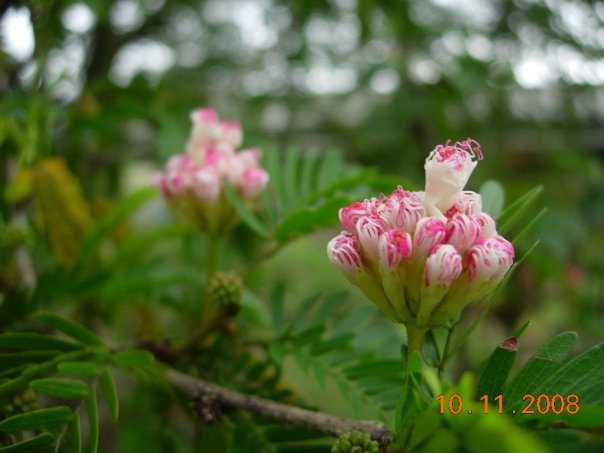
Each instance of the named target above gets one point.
<point>209,310</point>
<point>212,256</point>
<point>415,339</point>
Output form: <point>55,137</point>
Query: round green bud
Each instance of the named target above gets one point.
<point>225,288</point>
<point>355,442</point>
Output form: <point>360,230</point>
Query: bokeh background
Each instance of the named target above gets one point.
<point>108,86</point>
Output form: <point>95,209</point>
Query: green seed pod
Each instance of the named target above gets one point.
<point>355,442</point>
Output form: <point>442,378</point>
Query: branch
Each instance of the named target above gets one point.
<point>316,421</point>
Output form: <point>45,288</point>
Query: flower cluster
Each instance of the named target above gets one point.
<point>423,256</point>
<point>193,182</point>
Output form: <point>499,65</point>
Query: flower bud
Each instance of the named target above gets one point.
<point>402,209</point>
<point>488,227</point>
<point>178,182</point>
<point>462,231</point>
<point>369,229</point>
<point>355,442</point>
<point>443,265</point>
<point>487,262</point>
<point>467,202</point>
<point>350,215</point>
<point>160,181</point>
<point>249,157</point>
<point>231,133</point>
<point>225,288</point>
<point>206,184</point>
<point>428,232</point>
<point>206,127</point>
<point>448,169</point>
<point>490,259</point>
<point>253,181</point>
<point>180,162</point>
<point>344,252</point>
<point>394,248</point>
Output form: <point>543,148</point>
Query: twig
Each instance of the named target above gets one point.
<point>316,421</point>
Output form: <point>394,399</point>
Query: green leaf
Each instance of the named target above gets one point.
<point>309,167</point>
<point>539,368</point>
<point>141,363</point>
<point>80,369</point>
<point>497,369</point>
<point>271,160</point>
<point>277,303</point>
<point>513,213</point>
<point>109,390</point>
<point>40,443</point>
<point>411,402</point>
<point>33,341</point>
<point>532,222</point>
<point>423,429</point>
<point>14,359</point>
<point>34,371</point>
<point>60,388</point>
<point>307,219</point>
<point>76,432</point>
<point>245,213</point>
<point>522,329</point>
<point>576,375</point>
<point>93,420</point>
<point>68,327</point>
<point>331,168</point>
<point>493,197</point>
<point>290,176</point>
<point>342,184</point>
<point>37,419</point>
<point>103,227</point>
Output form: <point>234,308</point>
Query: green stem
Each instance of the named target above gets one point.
<point>209,309</point>
<point>212,256</point>
<point>415,339</point>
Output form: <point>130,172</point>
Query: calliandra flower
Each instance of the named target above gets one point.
<point>402,209</point>
<point>443,267</point>
<point>423,256</point>
<point>448,168</point>
<point>428,232</point>
<point>462,231</point>
<point>192,183</point>
<point>487,262</point>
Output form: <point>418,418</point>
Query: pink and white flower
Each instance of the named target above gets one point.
<point>394,247</point>
<point>423,256</point>
<point>253,181</point>
<point>192,182</point>
<point>462,231</point>
<point>448,168</point>
<point>443,265</point>
<point>369,228</point>
<point>428,232</point>
<point>490,259</point>
<point>231,133</point>
<point>402,209</point>
<point>344,252</point>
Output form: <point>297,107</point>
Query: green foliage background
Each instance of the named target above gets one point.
<point>345,98</point>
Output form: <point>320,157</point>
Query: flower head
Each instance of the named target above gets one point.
<point>423,256</point>
<point>193,182</point>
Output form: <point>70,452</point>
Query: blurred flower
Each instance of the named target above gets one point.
<point>193,182</point>
<point>423,256</point>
